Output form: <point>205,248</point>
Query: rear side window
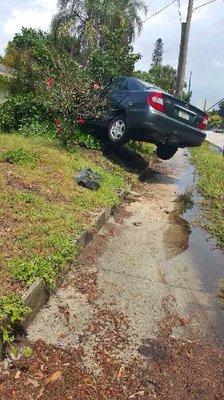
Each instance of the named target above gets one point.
<point>119,84</point>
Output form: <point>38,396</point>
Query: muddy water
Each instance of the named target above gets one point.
<point>208,260</point>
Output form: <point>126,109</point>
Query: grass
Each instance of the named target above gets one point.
<point>42,208</point>
<point>210,166</point>
<point>147,149</point>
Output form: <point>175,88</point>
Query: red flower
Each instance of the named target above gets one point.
<point>58,125</point>
<point>96,85</point>
<point>49,82</point>
<point>81,121</point>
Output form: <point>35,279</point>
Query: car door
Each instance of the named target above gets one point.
<point>117,95</point>
<point>117,92</point>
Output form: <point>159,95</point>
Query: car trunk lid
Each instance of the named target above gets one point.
<point>183,112</point>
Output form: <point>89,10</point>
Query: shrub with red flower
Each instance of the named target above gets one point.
<point>81,121</point>
<point>58,125</point>
<point>49,82</point>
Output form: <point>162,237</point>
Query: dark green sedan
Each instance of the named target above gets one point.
<point>140,111</point>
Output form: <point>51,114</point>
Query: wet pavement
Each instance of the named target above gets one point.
<point>138,317</point>
<point>199,253</point>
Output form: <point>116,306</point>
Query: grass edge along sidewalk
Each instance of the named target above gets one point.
<point>210,168</point>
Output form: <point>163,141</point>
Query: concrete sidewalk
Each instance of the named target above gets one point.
<point>215,138</point>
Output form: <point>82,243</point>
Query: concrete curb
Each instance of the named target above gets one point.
<point>37,295</point>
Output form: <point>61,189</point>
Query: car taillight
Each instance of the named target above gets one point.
<point>203,125</point>
<point>155,99</point>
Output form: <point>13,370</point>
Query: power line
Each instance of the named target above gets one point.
<point>179,10</point>
<point>218,102</point>
<point>205,4</point>
<point>159,11</point>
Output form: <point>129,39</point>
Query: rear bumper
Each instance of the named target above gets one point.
<point>160,128</point>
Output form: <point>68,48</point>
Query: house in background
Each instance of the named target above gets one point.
<point>5,75</point>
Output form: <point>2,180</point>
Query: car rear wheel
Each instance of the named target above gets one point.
<point>117,131</point>
<point>165,152</point>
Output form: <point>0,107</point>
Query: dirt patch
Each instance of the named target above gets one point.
<point>166,369</point>
<point>33,187</point>
<point>176,238</point>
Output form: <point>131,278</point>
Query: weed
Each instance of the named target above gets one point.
<point>35,128</point>
<point>27,351</point>
<point>142,148</point>
<point>14,351</point>
<point>47,268</point>
<point>84,138</point>
<point>28,270</point>
<point>12,311</point>
<point>18,156</point>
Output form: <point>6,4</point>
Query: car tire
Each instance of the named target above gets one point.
<point>165,152</point>
<point>117,130</point>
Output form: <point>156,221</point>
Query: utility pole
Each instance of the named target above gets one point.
<point>182,62</point>
<point>205,104</point>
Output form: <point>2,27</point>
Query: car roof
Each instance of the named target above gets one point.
<point>142,85</point>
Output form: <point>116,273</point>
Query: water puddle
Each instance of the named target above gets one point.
<point>207,259</point>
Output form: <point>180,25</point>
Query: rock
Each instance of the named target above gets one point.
<point>89,179</point>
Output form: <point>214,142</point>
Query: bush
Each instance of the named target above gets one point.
<point>17,110</point>
<point>35,128</point>
<point>80,136</point>
<point>18,156</point>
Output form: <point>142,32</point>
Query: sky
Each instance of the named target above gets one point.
<point>206,46</point>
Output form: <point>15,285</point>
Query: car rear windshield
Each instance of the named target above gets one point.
<point>136,84</point>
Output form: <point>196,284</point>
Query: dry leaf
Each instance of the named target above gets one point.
<point>53,377</point>
<point>17,375</point>
<point>141,393</point>
<point>62,335</point>
<point>189,354</point>
<point>40,374</point>
<point>120,373</point>
<point>33,382</point>
<point>41,392</point>
<point>183,321</point>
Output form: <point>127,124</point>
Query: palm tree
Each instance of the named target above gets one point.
<point>110,13</point>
